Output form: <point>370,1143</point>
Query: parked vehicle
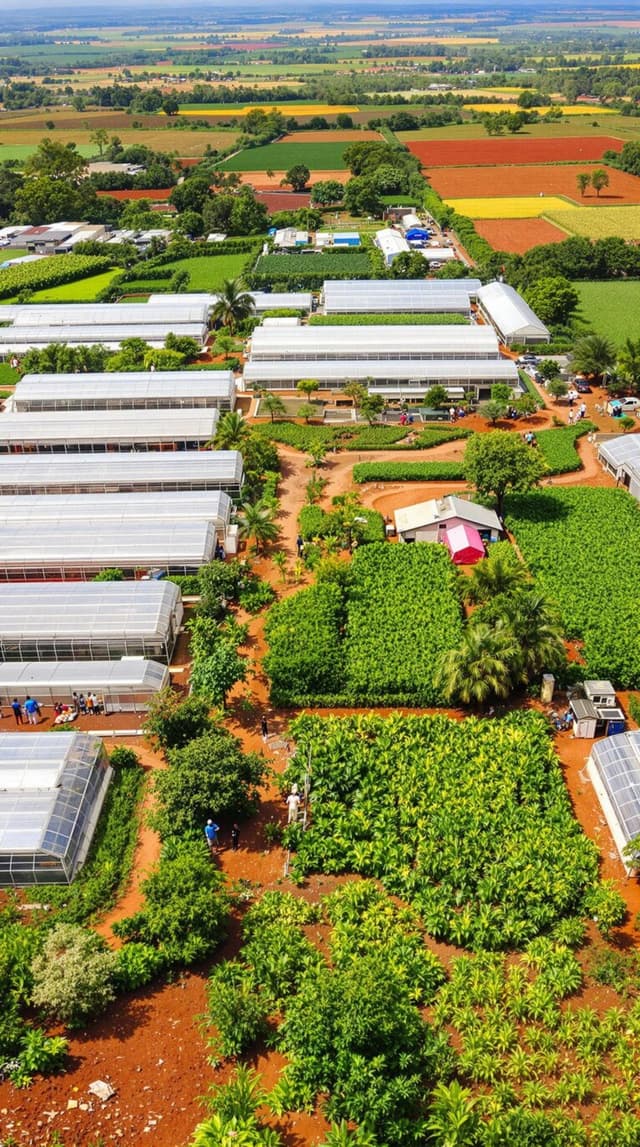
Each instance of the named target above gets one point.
<point>525,358</point>
<point>582,386</point>
<point>623,405</point>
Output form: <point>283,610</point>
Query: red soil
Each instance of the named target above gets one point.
<point>542,179</point>
<point>518,235</point>
<point>462,152</point>
<point>263,182</point>
<point>154,194</point>
<point>283,200</point>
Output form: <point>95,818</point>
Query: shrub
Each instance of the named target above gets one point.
<point>305,652</point>
<point>136,965</point>
<point>172,722</point>
<point>408,472</point>
<point>236,1008</point>
<point>73,977</point>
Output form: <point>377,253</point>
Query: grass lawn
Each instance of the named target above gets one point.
<point>8,376</point>
<point>282,156</point>
<point>82,291</point>
<point>24,150</point>
<point>613,309</point>
<point>209,271</point>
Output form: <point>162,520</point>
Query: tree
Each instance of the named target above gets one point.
<point>557,388</point>
<point>594,355</point>
<point>343,120</point>
<point>224,345</point>
<point>582,181</point>
<point>179,282</point>
<point>57,161</point>
<point>498,462</point>
<point>628,365</point>
<point>172,721</point>
<point>101,138</point>
<point>554,299</point>
<point>191,224</point>
<point>307,411</point>
<point>501,392</point>
<point>409,265</point>
<point>526,405</point>
<point>356,392</point>
<point>257,522</point>
<point>627,423</point>
<point>493,410</point>
<point>192,194</point>
<point>232,431</point>
<point>537,629</point>
<point>209,775</point>
<point>480,669</point>
<point>307,386</point>
<point>170,105</point>
<point>361,197</point>
<point>73,977</point>
<point>372,406</point>
<point>436,396</point>
<point>273,404</point>
<point>548,368</point>
<point>499,574</point>
<point>233,305</point>
<point>297,177</point>
<point>214,676</point>
<point>599,180</point>
<point>327,192</point>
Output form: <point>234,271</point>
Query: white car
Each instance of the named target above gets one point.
<point>626,405</point>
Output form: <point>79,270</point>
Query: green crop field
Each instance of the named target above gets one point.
<point>612,309</point>
<point>22,151</point>
<point>282,156</point>
<point>598,222</point>
<point>623,127</point>
<point>208,271</point>
<point>82,291</point>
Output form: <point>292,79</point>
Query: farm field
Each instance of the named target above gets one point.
<point>22,151</point>
<point>518,235</point>
<point>621,127</point>
<point>509,207</point>
<point>492,152</point>
<point>21,132</point>
<point>534,179</point>
<point>567,109</point>
<point>289,107</point>
<point>207,272</point>
<point>154,194</point>
<point>340,135</point>
<point>598,222</point>
<point>612,309</point>
<point>281,156</point>
<point>263,182</point>
<point>82,291</point>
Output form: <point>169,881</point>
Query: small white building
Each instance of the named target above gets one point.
<point>621,458</point>
<point>437,254</point>
<point>428,521</point>
<point>391,243</point>
<point>614,770</point>
<point>512,319</point>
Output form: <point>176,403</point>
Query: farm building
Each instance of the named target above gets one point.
<point>19,340</point>
<point>512,318</point>
<point>614,770</point>
<point>69,315</point>
<point>51,794</point>
<point>464,544</point>
<point>391,243</point>
<point>595,709</point>
<point>89,621</point>
<point>183,506</point>
<point>402,379</point>
<point>262,300</point>
<point>438,254</point>
<point>373,342</point>
<point>400,296</point>
<point>70,550</point>
<point>120,430</point>
<point>123,472</point>
<point>137,390</point>
<point>430,521</point>
<point>621,458</point>
<point>125,686</point>
<point>346,239</point>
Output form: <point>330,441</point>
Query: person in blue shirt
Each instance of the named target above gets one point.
<point>211,831</point>
<point>32,710</point>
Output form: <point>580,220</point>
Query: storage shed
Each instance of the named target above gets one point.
<point>464,544</point>
<point>148,471</point>
<point>89,621</point>
<point>77,432</point>
<point>125,686</point>
<point>391,243</point>
<point>614,770</point>
<point>512,318</point>
<point>428,521</point>
<point>621,458</point>
<point>346,239</point>
<point>413,343</point>
<point>52,790</point>
<point>135,390</point>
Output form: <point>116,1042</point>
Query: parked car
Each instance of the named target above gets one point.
<point>582,386</point>
<point>525,358</point>
<point>623,405</point>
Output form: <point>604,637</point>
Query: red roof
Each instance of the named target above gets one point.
<point>283,200</point>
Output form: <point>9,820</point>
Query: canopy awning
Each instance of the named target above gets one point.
<point>464,544</point>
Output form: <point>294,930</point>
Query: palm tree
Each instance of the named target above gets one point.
<point>629,363</point>
<point>594,354</point>
<point>537,629</point>
<point>232,431</point>
<point>256,521</point>
<point>233,305</point>
<point>481,669</point>
<point>500,573</point>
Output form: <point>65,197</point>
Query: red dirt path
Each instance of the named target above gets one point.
<point>461,153</point>
<point>535,179</point>
<point>518,235</point>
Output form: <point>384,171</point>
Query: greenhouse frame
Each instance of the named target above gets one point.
<point>621,458</point>
<point>178,506</point>
<point>399,379</point>
<point>117,431</point>
<point>70,550</point>
<point>373,342</point>
<point>145,472</point>
<point>402,296</point>
<point>125,686</point>
<point>89,621</point>
<point>137,390</point>
<point>52,790</point>
<point>614,770</point>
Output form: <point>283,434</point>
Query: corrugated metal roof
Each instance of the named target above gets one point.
<point>442,510</point>
<point>188,505</point>
<point>123,467</point>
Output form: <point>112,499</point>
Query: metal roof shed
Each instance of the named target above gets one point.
<point>51,793</point>
<point>317,343</point>
<point>391,243</point>
<point>66,550</point>
<point>621,457</point>
<point>89,621</point>
<point>512,318</point>
<point>135,390</point>
<point>176,506</point>
<point>124,686</point>
<point>614,769</point>
<point>464,544</point>
<point>128,471</point>
<point>79,432</point>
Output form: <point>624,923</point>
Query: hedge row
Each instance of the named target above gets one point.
<point>51,272</point>
<point>408,472</point>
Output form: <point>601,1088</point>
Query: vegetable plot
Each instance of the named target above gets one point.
<point>50,273</point>
<point>583,545</point>
<point>469,821</point>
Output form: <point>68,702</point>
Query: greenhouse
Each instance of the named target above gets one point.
<point>373,342</point>
<point>393,379</point>
<point>167,314</point>
<point>512,318</point>
<point>121,430</point>
<point>146,472</point>
<point>137,390</point>
<point>125,686</point>
<point>52,790</point>
<point>262,300</point>
<point>89,621</point>
<point>65,550</point>
<point>20,339</point>
<point>180,506</point>
<point>614,770</point>
<point>348,296</point>
<point>621,458</point>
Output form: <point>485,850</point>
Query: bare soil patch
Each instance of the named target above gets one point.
<point>461,153</point>
<point>518,235</point>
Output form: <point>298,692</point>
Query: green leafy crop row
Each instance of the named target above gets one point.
<point>376,320</point>
<point>50,273</point>
<point>408,472</point>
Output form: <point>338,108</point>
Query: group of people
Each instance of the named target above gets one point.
<point>577,415</point>
<point>30,712</point>
<point>530,438</point>
<point>456,412</point>
<point>83,705</point>
<point>211,831</point>
<point>27,712</point>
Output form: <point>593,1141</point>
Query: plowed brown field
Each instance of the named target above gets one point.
<point>156,195</point>
<point>346,135</point>
<point>283,200</point>
<point>540,179</point>
<point>263,182</point>
<point>518,235</point>
<point>460,153</point>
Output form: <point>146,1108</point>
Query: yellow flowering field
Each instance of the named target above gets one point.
<point>292,108</point>
<point>567,109</point>
<point>598,222</point>
<point>513,207</point>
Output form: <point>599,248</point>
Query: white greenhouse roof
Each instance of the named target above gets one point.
<point>442,510</point>
<point>21,339</point>
<point>135,674</point>
<point>390,370</point>
<point>120,468</point>
<point>177,506</point>
<point>128,542</point>
<point>84,610</point>
<point>623,451</point>
<point>391,242</point>
<point>509,312</point>
<point>218,384</point>
<point>383,295</point>
<point>404,341</point>
<point>615,761</point>
<point>263,300</point>
<point>174,425</point>
<point>107,314</point>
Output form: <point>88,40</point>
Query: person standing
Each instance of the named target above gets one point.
<point>90,704</point>
<point>82,704</point>
<point>32,710</point>
<point>293,805</point>
<point>211,830</point>
<point>235,837</point>
<point>17,711</point>
<point>75,700</point>
<point>264,727</point>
